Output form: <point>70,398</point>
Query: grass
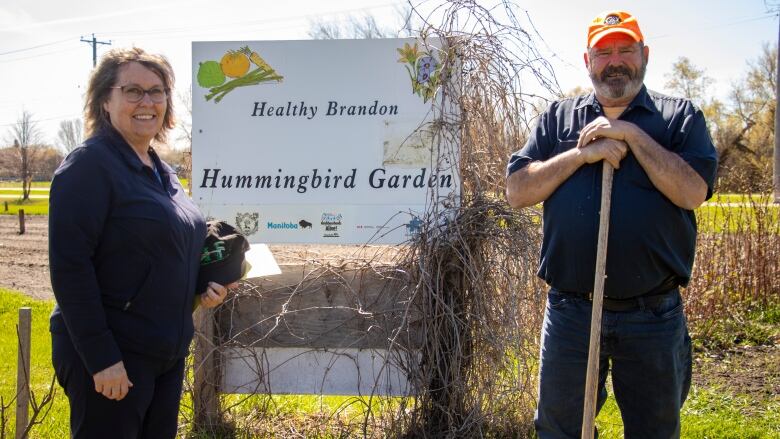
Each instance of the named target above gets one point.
<point>719,218</point>
<point>18,192</point>
<point>36,206</point>
<point>55,425</point>
<point>736,198</point>
<point>715,411</point>
<point>753,328</point>
<point>707,413</point>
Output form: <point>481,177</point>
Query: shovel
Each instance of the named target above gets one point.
<point>592,377</point>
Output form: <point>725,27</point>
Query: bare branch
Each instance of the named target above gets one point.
<point>70,134</point>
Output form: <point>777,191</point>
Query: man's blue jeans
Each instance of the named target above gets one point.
<point>648,351</point>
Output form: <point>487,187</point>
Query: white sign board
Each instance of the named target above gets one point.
<point>324,141</point>
<point>339,371</point>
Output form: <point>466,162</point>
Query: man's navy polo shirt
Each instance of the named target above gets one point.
<point>650,238</point>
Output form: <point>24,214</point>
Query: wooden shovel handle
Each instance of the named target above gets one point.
<point>592,377</point>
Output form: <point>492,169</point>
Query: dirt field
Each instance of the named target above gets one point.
<point>24,261</point>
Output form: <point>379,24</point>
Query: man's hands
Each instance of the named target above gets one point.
<point>112,382</point>
<point>603,127</point>
<point>607,149</point>
<point>668,172</point>
<point>215,294</point>
<point>605,139</point>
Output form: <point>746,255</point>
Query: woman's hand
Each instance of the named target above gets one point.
<point>113,382</point>
<point>215,294</point>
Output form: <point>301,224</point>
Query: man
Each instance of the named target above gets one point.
<point>665,166</point>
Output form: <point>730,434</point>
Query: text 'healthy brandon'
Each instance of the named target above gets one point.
<point>334,108</point>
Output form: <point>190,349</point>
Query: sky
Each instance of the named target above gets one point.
<point>44,65</point>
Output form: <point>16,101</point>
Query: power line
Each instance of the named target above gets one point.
<point>36,47</point>
<point>719,25</point>
<point>189,30</point>
<point>38,55</point>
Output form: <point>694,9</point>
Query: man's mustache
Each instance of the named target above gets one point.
<point>616,70</point>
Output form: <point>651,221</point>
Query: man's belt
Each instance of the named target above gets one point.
<point>646,300</point>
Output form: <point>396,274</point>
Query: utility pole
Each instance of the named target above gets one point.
<point>776,168</point>
<point>94,42</point>
<point>774,6</point>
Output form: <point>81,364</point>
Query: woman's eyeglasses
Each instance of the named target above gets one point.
<point>134,93</point>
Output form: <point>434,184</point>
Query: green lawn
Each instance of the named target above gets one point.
<point>708,413</point>
<point>18,192</point>
<point>55,426</point>
<point>737,198</point>
<point>35,206</point>
<point>719,218</point>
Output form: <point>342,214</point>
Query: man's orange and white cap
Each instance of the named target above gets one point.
<point>611,22</point>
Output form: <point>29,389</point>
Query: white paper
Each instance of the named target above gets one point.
<point>262,261</point>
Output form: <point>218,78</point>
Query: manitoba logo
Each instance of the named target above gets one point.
<point>281,226</point>
<point>247,223</point>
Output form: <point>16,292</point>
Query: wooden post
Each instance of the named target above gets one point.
<point>592,377</point>
<point>23,372</point>
<point>204,392</point>
<point>6,205</point>
<point>21,221</point>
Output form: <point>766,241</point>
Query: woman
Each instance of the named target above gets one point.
<point>124,249</point>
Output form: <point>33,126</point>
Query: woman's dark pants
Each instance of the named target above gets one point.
<point>150,409</point>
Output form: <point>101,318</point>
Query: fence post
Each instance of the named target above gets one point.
<point>6,205</point>
<point>21,221</point>
<point>204,392</point>
<point>23,372</point>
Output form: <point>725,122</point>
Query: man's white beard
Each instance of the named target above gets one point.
<point>620,88</point>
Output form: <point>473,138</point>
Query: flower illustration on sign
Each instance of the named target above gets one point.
<point>423,69</point>
<point>235,64</point>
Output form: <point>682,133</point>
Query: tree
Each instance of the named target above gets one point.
<point>743,129</point>
<point>49,159</point>
<point>754,106</point>
<point>183,158</point>
<point>364,27</point>
<point>688,81</point>
<point>70,134</point>
<point>26,137</point>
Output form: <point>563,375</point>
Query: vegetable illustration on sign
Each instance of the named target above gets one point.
<point>235,64</point>
<point>423,69</point>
